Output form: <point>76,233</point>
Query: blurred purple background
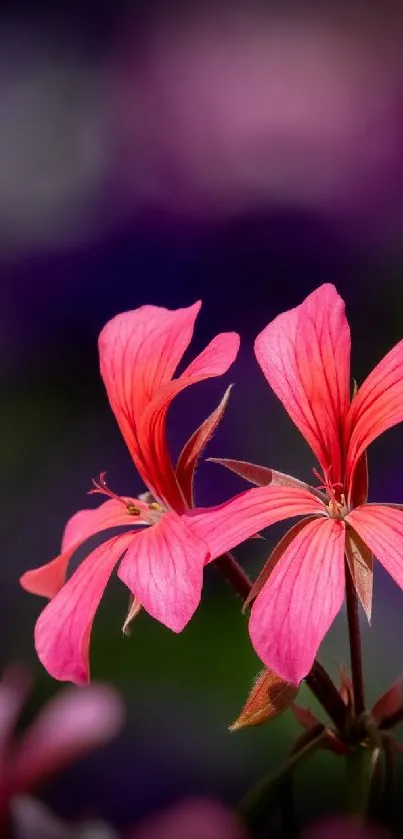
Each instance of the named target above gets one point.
<point>151,155</point>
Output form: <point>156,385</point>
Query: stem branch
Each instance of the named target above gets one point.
<point>354,634</point>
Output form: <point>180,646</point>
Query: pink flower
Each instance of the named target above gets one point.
<point>193,818</point>
<point>305,356</point>
<point>72,723</point>
<point>163,563</point>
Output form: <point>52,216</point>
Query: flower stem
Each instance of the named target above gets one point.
<point>354,634</point>
<point>325,691</point>
<point>234,574</point>
<point>318,680</point>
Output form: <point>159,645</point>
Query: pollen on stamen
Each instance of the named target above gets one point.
<point>132,509</point>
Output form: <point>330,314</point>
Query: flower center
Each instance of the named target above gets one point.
<point>145,506</point>
<point>336,507</point>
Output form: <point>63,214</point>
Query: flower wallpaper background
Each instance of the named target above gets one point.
<point>161,154</point>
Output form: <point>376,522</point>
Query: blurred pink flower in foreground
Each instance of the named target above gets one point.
<point>195,818</point>
<point>305,356</point>
<point>163,564</point>
<point>72,723</point>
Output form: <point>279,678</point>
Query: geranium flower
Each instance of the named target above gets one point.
<point>72,723</point>
<point>163,563</point>
<point>305,356</point>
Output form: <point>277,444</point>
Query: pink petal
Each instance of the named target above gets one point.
<point>194,447</point>
<point>74,722</point>
<point>377,405</point>
<point>48,579</point>
<point>139,352</point>
<point>300,600</point>
<point>305,356</point>
<point>62,632</point>
<point>381,528</point>
<point>163,568</point>
<point>227,525</point>
<point>215,360</point>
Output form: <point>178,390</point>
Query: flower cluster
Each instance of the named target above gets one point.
<point>305,356</point>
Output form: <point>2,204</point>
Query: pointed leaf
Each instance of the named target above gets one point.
<point>270,696</point>
<point>389,703</point>
<point>193,449</point>
<point>361,564</point>
<point>262,475</point>
<point>134,609</point>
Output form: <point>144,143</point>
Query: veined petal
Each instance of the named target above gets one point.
<point>139,352</point>
<point>163,568</point>
<point>381,528</point>
<point>213,361</point>
<point>62,632</point>
<point>377,405</point>
<point>305,356</point>
<point>273,559</point>
<point>71,724</point>
<point>193,449</point>
<point>300,600</point>
<point>48,579</point>
<point>227,525</point>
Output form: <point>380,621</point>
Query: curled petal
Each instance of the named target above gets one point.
<point>377,405</point>
<point>72,723</point>
<point>213,361</point>
<point>305,356</point>
<point>139,352</point>
<point>62,632</point>
<point>227,525</point>
<point>381,528</point>
<point>48,579</point>
<point>163,568</point>
<point>300,600</point>
<point>194,447</point>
